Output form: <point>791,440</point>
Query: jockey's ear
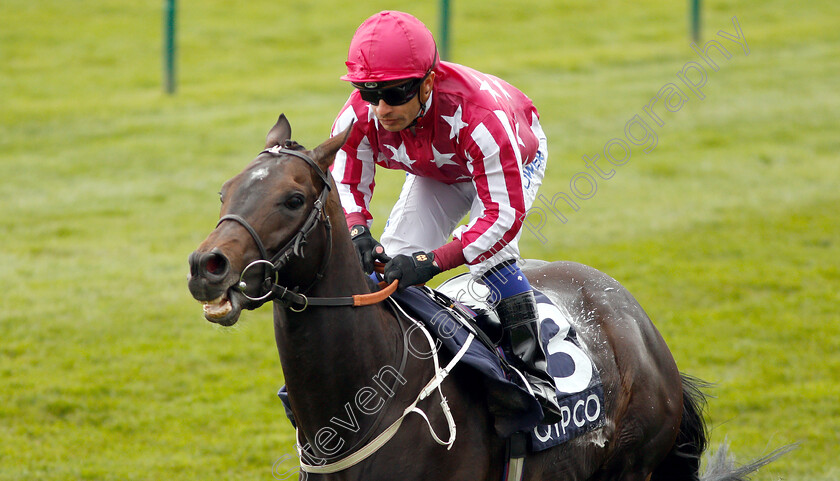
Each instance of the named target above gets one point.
<point>280,133</point>
<point>324,154</point>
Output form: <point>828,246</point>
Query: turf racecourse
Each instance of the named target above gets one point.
<point>726,229</point>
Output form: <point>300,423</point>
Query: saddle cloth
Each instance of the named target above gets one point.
<point>514,408</point>
<point>580,393</point>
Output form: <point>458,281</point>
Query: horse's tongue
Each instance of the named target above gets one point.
<point>217,308</point>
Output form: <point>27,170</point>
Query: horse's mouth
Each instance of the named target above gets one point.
<point>222,310</point>
<point>217,308</point>
<point>222,300</point>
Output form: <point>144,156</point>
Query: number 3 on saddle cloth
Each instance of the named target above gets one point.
<point>579,390</point>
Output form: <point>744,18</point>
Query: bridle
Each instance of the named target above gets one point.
<point>294,249</point>
<point>290,297</point>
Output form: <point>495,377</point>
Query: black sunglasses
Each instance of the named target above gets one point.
<point>396,95</point>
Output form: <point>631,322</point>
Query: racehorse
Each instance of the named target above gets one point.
<point>281,237</point>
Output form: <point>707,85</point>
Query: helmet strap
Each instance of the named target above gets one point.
<point>422,111</point>
<point>420,115</point>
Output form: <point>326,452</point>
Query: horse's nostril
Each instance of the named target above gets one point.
<point>216,264</point>
<point>195,263</point>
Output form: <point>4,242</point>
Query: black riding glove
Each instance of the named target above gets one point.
<point>417,269</point>
<point>368,248</point>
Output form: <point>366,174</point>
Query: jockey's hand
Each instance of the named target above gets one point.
<point>368,248</point>
<point>419,268</point>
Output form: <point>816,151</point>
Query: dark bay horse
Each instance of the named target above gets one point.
<point>282,237</point>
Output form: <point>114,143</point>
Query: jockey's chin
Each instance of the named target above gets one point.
<point>393,125</point>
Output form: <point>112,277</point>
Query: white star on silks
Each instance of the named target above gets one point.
<point>455,122</point>
<point>501,89</point>
<point>469,167</point>
<point>484,85</point>
<point>442,159</point>
<point>400,155</point>
<point>518,137</point>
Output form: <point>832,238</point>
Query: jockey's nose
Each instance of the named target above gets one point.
<point>382,108</point>
<point>211,265</point>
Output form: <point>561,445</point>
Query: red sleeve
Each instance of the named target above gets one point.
<point>354,165</point>
<point>450,255</point>
<point>493,152</point>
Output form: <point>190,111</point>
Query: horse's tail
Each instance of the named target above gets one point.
<point>683,461</point>
<point>721,467</point>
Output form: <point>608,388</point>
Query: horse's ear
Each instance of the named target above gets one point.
<point>281,132</point>
<point>324,154</point>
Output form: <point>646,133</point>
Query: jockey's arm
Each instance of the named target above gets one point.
<point>354,168</point>
<point>498,184</point>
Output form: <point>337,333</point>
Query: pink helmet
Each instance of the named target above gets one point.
<point>390,46</point>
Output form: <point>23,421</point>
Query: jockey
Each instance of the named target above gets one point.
<point>471,144</point>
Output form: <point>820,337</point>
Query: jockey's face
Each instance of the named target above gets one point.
<point>394,118</point>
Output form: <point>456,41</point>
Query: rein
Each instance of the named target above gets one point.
<point>294,249</point>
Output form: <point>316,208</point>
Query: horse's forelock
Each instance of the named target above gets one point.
<point>293,145</point>
<point>265,163</point>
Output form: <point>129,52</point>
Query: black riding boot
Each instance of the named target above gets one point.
<point>518,314</point>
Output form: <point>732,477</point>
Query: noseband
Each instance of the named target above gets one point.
<point>293,248</point>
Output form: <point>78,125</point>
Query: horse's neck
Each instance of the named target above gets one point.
<point>339,362</point>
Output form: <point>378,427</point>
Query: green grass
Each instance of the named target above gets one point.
<point>727,232</point>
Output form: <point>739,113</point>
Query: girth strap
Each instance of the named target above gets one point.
<point>516,448</point>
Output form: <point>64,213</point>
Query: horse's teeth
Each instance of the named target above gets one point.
<point>217,300</point>
<point>218,307</point>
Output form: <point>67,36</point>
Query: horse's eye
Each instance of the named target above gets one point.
<point>294,202</point>
<point>221,198</point>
